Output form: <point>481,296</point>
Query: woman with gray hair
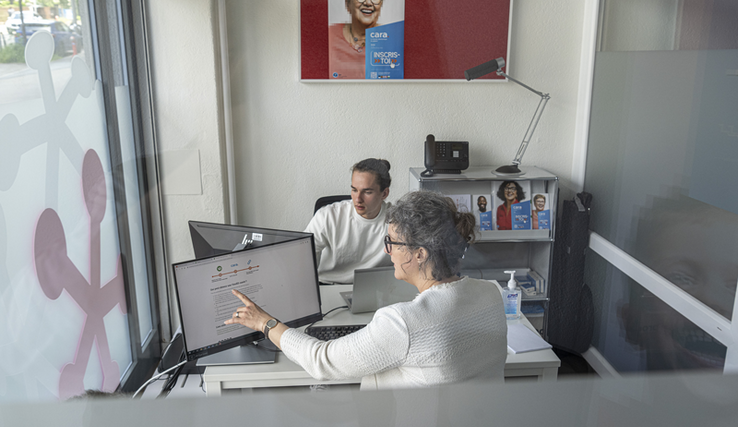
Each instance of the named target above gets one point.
<point>454,330</point>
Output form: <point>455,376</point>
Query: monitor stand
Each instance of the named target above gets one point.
<point>265,352</point>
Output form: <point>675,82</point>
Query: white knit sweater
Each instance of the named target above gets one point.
<point>346,241</point>
<point>449,333</point>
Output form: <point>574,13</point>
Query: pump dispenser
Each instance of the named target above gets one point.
<point>511,297</point>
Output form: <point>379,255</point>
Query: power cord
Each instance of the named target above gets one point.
<point>325,314</point>
<point>172,379</point>
<point>156,377</point>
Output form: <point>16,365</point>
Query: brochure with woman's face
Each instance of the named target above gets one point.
<point>540,211</point>
<point>511,205</point>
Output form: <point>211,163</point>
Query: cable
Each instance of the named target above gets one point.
<point>174,377</point>
<point>184,381</point>
<point>334,309</point>
<point>325,314</point>
<point>171,382</point>
<point>156,377</point>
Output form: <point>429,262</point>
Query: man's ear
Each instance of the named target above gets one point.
<point>385,193</point>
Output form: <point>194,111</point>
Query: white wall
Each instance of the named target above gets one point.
<point>296,141</point>
<point>184,54</point>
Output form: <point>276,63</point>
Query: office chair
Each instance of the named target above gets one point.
<point>327,200</point>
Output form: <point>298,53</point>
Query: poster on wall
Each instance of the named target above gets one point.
<point>348,40</point>
<point>366,39</point>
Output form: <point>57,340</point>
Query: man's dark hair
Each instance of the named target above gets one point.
<point>379,167</point>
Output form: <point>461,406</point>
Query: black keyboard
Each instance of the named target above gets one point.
<point>326,333</point>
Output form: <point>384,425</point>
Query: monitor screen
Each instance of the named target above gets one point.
<point>210,239</point>
<point>281,278</point>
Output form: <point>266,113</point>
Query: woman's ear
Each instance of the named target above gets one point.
<point>421,255</point>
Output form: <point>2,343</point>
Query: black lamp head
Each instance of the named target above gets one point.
<point>508,170</point>
<point>484,69</point>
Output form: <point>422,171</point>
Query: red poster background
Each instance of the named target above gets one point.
<point>442,37</point>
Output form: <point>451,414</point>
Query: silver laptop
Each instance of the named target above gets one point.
<point>375,288</point>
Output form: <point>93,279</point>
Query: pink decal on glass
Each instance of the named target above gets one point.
<point>57,273</point>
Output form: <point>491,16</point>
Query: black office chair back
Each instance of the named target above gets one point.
<point>327,200</point>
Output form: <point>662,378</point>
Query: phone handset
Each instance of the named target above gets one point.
<point>430,155</point>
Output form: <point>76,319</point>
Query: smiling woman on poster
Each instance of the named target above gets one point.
<point>347,34</point>
<point>510,193</point>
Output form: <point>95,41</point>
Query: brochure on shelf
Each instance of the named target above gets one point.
<point>528,287</point>
<point>538,280</point>
<point>540,211</point>
<point>521,216</point>
<point>483,211</point>
<point>532,310</point>
<point>511,198</point>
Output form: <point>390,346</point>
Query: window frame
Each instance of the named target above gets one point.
<point>131,39</point>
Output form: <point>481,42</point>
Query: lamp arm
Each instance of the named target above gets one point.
<point>531,128</point>
<point>503,74</point>
<point>533,121</point>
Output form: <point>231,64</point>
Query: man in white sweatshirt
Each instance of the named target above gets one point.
<point>349,235</point>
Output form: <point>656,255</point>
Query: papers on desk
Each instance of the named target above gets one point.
<point>520,339</point>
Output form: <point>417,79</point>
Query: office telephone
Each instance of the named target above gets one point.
<point>449,157</point>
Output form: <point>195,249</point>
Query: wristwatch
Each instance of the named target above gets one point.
<point>270,324</point>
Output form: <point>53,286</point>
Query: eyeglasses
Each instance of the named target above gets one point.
<point>511,189</point>
<point>388,244</point>
<point>374,2</point>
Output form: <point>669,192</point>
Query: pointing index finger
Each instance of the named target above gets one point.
<point>241,296</point>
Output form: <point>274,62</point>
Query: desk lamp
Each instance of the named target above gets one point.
<point>496,66</point>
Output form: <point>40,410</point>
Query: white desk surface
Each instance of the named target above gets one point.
<point>542,363</point>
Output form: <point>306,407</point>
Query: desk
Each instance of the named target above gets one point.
<point>284,373</point>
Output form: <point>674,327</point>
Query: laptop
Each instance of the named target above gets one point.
<point>375,288</point>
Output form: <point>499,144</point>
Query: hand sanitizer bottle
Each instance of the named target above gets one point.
<point>511,297</point>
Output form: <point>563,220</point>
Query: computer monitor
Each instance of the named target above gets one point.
<point>280,277</point>
<point>210,239</point>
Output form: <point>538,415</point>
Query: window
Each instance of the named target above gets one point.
<point>79,239</point>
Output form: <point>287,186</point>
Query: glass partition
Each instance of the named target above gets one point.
<point>638,332</point>
<point>663,147</point>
